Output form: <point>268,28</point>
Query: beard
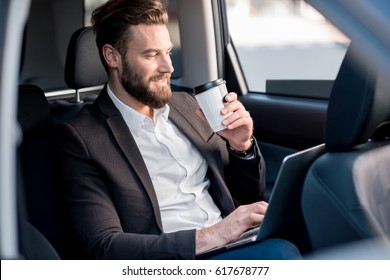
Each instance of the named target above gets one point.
<point>141,90</point>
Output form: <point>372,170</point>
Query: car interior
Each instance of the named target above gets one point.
<point>346,192</point>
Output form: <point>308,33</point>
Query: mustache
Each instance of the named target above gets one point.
<point>160,77</point>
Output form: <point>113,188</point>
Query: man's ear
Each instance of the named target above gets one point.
<point>111,56</point>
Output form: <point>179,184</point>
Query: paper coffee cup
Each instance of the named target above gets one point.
<point>210,97</point>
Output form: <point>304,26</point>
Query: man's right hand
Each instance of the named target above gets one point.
<point>230,228</point>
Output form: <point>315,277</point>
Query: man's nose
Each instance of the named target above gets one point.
<point>166,64</point>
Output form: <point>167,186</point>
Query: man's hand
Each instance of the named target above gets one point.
<point>239,124</point>
<point>230,228</point>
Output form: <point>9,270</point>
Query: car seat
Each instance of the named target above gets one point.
<point>346,193</point>
<point>37,192</point>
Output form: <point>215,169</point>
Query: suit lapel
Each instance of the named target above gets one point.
<point>201,136</point>
<point>198,132</point>
<point>129,148</point>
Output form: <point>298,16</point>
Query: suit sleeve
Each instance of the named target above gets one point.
<point>246,178</point>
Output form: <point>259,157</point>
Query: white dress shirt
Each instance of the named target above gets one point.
<point>177,169</point>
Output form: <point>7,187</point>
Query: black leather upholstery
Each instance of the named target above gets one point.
<point>36,176</point>
<point>83,67</point>
<point>83,70</point>
<point>346,194</point>
<point>357,107</point>
<point>33,111</point>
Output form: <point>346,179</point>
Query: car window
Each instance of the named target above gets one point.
<point>173,27</point>
<point>285,46</point>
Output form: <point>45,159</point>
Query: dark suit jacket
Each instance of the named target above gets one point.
<point>108,196</point>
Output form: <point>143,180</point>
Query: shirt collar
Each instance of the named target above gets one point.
<point>135,120</point>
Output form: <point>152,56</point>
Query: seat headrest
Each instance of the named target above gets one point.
<point>33,110</point>
<point>83,67</point>
<point>359,106</point>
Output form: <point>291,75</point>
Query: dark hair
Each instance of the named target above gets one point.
<point>111,21</point>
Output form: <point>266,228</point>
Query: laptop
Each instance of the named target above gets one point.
<point>284,209</point>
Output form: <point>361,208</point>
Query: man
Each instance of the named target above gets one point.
<point>143,176</point>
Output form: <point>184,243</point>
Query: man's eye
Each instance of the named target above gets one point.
<point>151,55</point>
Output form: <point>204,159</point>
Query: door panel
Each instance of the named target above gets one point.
<point>284,125</point>
<point>287,121</point>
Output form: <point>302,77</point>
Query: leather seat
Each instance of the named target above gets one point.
<point>41,235</point>
<point>346,193</point>
<point>83,67</point>
<point>84,73</point>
